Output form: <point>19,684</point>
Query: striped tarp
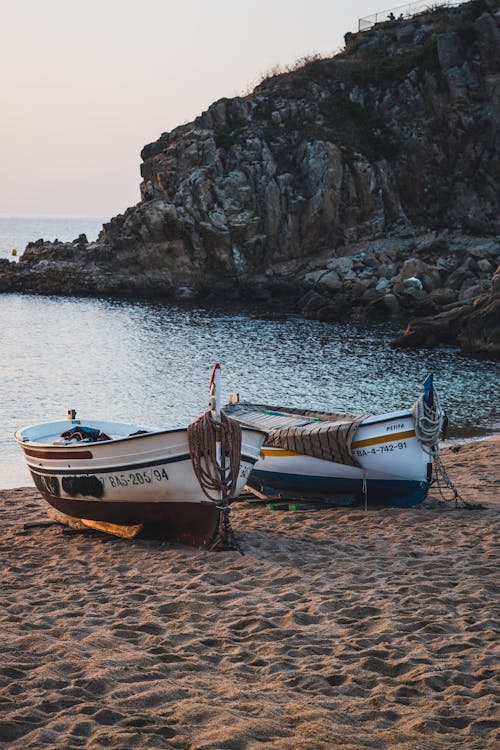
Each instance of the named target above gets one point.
<point>317,434</point>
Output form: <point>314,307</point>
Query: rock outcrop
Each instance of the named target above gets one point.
<point>368,184</point>
<point>473,324</point>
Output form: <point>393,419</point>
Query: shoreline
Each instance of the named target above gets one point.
<point>335,628</point>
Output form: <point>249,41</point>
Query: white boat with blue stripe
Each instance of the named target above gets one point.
<point>345,459</point>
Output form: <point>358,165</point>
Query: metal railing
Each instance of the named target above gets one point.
<point>400,13</point>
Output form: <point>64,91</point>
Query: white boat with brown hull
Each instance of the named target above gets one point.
<point>127,474</point>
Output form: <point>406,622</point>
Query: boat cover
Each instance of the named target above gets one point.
<point>318,434</point>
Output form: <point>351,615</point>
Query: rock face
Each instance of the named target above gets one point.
<point>367,183</point>
<point>7,275</point>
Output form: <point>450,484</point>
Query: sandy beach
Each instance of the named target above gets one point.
<point>336,629</point>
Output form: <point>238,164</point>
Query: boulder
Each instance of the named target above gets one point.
<point>429,277</point>
<point>443,296</point>
<point>329,313</point>
<point>479,331</point>
<point>431,331</point>
<point>331,280</point>
<point>470,291</point>
<point>383,285</point>
<point>465,272</point>
<point>484,265</point>
<point>475,327</point>
<point>313,277</point>
<point>341,265</point>
<point>391,303</point>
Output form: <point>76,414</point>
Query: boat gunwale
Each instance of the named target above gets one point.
<point>368,420</point>
<point>82,444</point>
<point>387,417</point>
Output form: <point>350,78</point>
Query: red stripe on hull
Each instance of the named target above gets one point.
<point>56,455</point>
<point>187,523</point>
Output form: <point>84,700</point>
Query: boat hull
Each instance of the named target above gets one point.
<point>393,468</point>
<point>339,490</point>
<point>194,524</point>
<point>136,479</point>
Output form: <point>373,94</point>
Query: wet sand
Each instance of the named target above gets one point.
<point>336,629</point>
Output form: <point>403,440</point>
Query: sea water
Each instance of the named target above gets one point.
<point>17,231</point>
<point>149,363</point>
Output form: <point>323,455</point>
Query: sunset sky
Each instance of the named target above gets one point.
<point>85,84</point>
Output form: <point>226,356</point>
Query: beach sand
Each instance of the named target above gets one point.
<point>336,629</point>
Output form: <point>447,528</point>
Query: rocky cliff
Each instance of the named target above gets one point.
<point>368,183</point>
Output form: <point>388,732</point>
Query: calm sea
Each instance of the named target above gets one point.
<point>149,363</point>
<point>17,231</point>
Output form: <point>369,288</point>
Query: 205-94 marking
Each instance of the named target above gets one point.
<point>382,449</point>
<point>137,478</point>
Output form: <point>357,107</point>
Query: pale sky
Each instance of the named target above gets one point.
<point>85,84</point>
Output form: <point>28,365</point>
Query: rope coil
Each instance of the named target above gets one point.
<point>214,477</point>
<point>215,448</point>
<point>428,420</point>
